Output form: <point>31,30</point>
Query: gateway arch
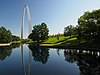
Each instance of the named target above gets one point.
<point>26,8</point>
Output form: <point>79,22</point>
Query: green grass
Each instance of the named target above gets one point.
<point>48,44</point>
<point>53,41</point>
<point>67,41</point>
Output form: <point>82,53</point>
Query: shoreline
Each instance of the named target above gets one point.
<point>73,47</point>
<point>57,46</point>
<point>8,44</point>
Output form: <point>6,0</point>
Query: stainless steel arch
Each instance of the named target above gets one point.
<point>26,8</point>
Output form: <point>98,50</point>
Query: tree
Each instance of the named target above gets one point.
<point>89,25</point>
<point>39,33</point>
<point>69,30</point>
<point>58,36</point>
<point>15,38</point>
<point>5,35</point>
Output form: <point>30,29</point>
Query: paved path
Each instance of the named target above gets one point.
<point>6,44</point>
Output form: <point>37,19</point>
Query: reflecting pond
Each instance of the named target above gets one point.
<point>29,60</point>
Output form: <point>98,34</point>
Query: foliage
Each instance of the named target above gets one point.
<point>69,31</point>
<point>15,38</point>
<point>58,36</point>
<point>39,33</point>
<point>25,40</point>
<point>89,25</point>
<point>5,35</point>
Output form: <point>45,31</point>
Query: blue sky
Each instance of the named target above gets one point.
<point>57,14</point>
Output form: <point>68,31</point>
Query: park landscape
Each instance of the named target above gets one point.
<point>86,34</point>
<point>75,51</point>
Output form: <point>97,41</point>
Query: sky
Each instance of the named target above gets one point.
<point>57,14</point>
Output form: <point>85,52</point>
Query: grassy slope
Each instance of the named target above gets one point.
<point>53,41</point>
<point>67,41</point>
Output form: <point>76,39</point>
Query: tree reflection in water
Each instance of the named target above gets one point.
<point>39,54</point>
<point>88,61</point>
<point>58,52</point>
<point>5,51</point>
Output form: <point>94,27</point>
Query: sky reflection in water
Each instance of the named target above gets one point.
<point>29,60</point>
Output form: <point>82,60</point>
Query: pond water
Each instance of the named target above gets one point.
<point>28,60</point>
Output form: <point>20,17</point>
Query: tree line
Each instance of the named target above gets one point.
<point>6,36</point>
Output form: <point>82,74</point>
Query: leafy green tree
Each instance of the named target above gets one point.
<point>89,25</point>
<point>39,33</point>
<point>15,38</point>
<point>5,35</point>
<point>69,31</point>
<point>58,36</point>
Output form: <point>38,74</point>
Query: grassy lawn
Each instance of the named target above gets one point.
<point>67,41</point>
<point>53,41</point>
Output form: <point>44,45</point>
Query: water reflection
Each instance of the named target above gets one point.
<point>29,62</point>
<point>58,52</point>
<point>5,51</point>
<point>82,62</point>
<point>88,61</point>
<point>39,54</point>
